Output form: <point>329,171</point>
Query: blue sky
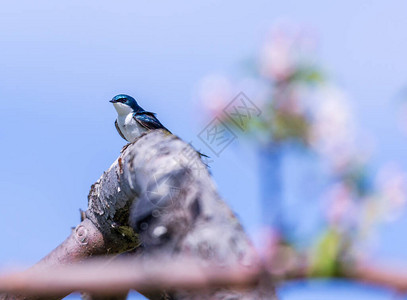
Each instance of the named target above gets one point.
<point>62,61</point>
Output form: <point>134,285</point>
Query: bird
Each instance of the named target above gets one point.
<point>132,120</point>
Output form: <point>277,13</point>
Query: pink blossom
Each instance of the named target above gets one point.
<point>332,129</point>
<point>341,208</point>
<point>287,47</point>
<point>392,184</point>
<point>215,92</point>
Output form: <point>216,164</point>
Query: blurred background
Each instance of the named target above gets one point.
<point>313,95</point>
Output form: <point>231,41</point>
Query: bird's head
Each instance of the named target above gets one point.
<point>125,104</point>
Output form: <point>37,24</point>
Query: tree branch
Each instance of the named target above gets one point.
<point>143,275</point>
<point>158,197</point>
<point>102,277</point>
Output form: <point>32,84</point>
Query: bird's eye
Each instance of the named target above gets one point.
<point>122,100</point>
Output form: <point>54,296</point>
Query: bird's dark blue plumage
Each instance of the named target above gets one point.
<point>148,120</point>
<point>128,100</point>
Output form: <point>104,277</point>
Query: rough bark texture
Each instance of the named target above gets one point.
<point>158,198</point>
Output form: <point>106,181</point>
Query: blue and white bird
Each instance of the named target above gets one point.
<point>132,120</point>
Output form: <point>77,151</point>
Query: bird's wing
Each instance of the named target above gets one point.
<point>118,129</point>
<point>148,120</point>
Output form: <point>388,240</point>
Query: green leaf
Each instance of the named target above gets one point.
<point>325,256</point>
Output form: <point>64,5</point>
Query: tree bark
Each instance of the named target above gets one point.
<point>158,198</point>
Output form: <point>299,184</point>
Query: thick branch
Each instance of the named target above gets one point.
<point>175,212</point>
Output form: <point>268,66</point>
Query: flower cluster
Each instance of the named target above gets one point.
<point>299,103</point>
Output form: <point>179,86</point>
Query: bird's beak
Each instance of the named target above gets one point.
<point>112,101</point>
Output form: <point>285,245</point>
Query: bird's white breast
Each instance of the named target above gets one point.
<point>129,127</point>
